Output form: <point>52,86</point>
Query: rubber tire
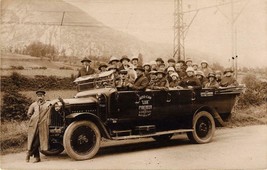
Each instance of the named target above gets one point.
<point>194,137</point>
<point>53,151</point>
<point>69,133</point>
<point>163,138</point>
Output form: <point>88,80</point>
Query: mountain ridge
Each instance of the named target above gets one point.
<point>66,27</point>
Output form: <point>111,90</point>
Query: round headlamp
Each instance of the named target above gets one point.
<point>58,106</point>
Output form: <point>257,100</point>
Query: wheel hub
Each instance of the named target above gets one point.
<point>203,127</point>
<point>82,139</point>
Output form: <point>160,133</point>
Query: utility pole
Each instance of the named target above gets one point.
<point>232,35</point>
<point>179,33</point>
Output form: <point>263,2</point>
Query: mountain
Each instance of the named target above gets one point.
<point>69,29</point>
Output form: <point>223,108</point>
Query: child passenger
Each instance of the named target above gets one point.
<point>175,81</point>
<point>212,83</point>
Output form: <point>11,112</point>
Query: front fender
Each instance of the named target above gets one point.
<point>92,117</point>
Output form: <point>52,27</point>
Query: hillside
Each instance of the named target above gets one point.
<point>68,28</point>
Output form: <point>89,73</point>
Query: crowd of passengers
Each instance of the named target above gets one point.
<point>157,75</point>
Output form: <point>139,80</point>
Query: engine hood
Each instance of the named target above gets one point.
<point>80,100</point>
<point>88,93</point>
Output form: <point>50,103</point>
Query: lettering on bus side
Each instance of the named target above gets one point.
<point>145,107</point>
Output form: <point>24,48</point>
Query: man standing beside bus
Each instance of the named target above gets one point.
<point>38,126</point>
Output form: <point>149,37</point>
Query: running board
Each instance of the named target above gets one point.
<point>154,134</point>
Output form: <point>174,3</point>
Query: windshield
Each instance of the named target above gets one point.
<point>95,81</point>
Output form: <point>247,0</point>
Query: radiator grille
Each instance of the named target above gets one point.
<point>56,119</point>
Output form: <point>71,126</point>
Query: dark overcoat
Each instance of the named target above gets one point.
<point>140,83</point>
<point>83,71</point>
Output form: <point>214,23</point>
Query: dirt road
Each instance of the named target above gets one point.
<point>232,148</point>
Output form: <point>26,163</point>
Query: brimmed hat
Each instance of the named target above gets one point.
<point>125,57</point>
<point>200,73</point>
<point>162,64</point>
<point>171,60</point>
<point>113,58</point>
<point>102,65</point>
<point>159,59</point>
<point>170,69</point>
<point>135,58</point>
<point>112,67</point>
<point>174,74</point>
<point>146,64</point>
<point>218,72</point>
<point>139,68</point>
<point>204,61</point>
<point>153,63</point>
<point>211,75</point>
<point>153,72</point>
<point>85,59</point>
<point>190,69</point>
<point>227,70</point>
<point>181,61</point>
<point>40,91</point>
<point>123,72</point>
<point>188,59</point>
<point>161,71</point>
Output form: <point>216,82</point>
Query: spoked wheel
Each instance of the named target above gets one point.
<point>162,138</point>
<point>82,140</point>
<point>55,149</point>
<point>204,128</point>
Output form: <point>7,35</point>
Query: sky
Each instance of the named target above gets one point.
<point>210,31</point>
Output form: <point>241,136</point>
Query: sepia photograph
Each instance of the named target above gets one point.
<point>133,84</point>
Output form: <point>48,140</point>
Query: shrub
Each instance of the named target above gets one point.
<point>65,68</point>
<point>14,106</point>
<point>17,81</point>
<point>17,68</point>
<point>39,49</point>
<point>256,91</point>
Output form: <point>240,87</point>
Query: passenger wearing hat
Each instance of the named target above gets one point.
<point>218,75</point>
<point>153,65</point>
<point>159,62</point>
<point>170,70</point>
<point>122,83</point>
<point>212,83</point>
<point>203,80</point>
<point>171,62</point>
<point>175,81</point>
<point>147,69</point>
<point>115,72</point>
<point>195,67</point>
<point>181,72</point>
<point>188,62</point>
<point>162,67</point>
<point>205,68</point>
<point>152,79</point>
<point>183,65</point>
<point>135,61</point>
<point>141,82</point>
<point>86,69</point>
<point>228,80</point>
<point>114,61</point>
<point>127,65</point>
<point>162,82</point>
<point>38,125</point>
<point>102,67</point>
<point>190,81</point>
<point>124,63</point>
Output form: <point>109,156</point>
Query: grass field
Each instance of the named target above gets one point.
<point>30,63</point>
